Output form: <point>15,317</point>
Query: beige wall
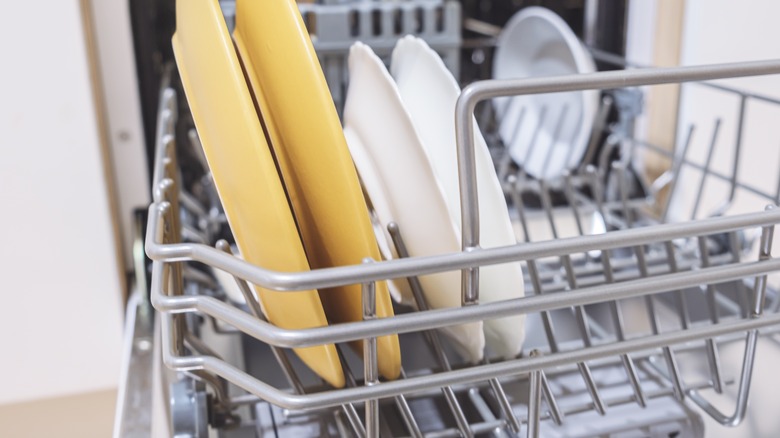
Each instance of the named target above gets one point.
<point>61,311</point>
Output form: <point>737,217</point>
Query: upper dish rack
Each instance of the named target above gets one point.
<point>690,288</point>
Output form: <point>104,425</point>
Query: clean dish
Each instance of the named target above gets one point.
<point>429,92</point>
<point>228,283</point>
<point>545,133</point>
<point>229,286</point>
<point>305,132</point>
<point>399,289</point>
<point>401,184</point>
<point>244,172</point>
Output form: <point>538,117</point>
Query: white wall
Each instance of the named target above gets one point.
<point>60,309</point>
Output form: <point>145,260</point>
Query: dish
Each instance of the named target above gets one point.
<point>537,42</point>
<point>314,161</point>
<point>429,92</point>
<point>244,171</point>
<point>229,286</point>
<point>399,289</point>
<point>403,188</point>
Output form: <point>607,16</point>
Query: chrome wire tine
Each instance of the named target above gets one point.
<point>572,201</point>
<point>199,346</point>
<point>582,317</point>
<point>544,194</point>
<point>764,253</point>
<point>518,124</point>
<point>189,234</point>
<point>534,400</point>
<point>406,413</point>
<point>742,294</point>
<point>682,310</point>
<point>516,193</point>
<point>704,256</point>
<point>370,358</point>
<point>354,420</point>
<point>506,158</point>
<point>582,323</point>
<point>746,376</point>
<point>639,250</point>
<point>706,171</point>
<point>554,140</point>
<point>633,380</point>
<point>759,291</point>
<point>197,276</point>
<point>218,384</point>
<point>590,385</point>
<point>555,411</point>
<point>486,415</point>
<point>503,403</point>
<point>501,114</point>
<point>682,304</point>
<point>614,305</point>
<point>460,417</point>
<point>176,277</point>
<point>713,356</point>
<point>284,361</point>
<point>340,426</point>
<point>192,204</point>
<point>678,388</point>
<point>605,156</point>
<point>349,409</point>
<point>256,310</point>
<point>713,359</point>
<point>532,143</point>
<point>622,176</point>
<point>777,192</point>
<point>737,152</point>
<point>192,134</point>
<point>676,168</point>
<point>598,128</point>
<point>594,180</point>
<point>431,336</point>
<point>617,316</point>
<point>536,283</point>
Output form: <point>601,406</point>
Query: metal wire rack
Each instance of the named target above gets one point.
<point>610,317</point>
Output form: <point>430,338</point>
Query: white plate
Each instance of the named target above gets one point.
<point>372,184</point>
<point>399,180</point>
<point>429,92</point>
<point>537,42</point>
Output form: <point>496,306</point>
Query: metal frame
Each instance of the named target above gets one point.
<point>162,246</point>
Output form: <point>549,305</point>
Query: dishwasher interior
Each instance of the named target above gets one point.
<point>633,290</point>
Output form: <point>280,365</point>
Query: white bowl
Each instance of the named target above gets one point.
<point>545,133</point>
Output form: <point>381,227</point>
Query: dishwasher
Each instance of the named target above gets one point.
<point>640,322</point>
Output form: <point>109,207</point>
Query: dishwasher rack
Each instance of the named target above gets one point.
<point>695,284</point>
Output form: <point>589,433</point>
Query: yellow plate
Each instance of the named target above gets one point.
<point>244,170</point>
<point>308,142</point>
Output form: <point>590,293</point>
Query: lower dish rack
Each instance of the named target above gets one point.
<point>626,326</point>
